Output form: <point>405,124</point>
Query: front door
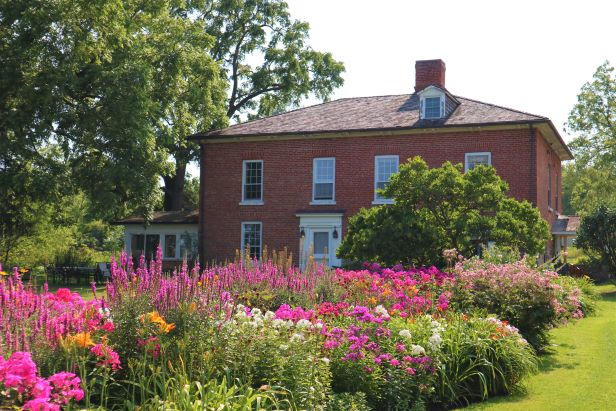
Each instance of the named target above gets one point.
<point>321,238</point>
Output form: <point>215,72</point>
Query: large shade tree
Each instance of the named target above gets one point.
<point>118,85</point>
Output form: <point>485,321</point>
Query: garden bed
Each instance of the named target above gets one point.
<point>253,335</point>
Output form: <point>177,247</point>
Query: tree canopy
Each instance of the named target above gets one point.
<point>442,208</point>
<point>591,180</point>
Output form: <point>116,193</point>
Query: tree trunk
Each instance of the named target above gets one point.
<point>174,189</point>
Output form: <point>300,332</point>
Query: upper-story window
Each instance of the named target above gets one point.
<point>432,103</point>
<point>384,167</point>
<point>324,180</point>
<point>475,159</point>
<point>252,182</point>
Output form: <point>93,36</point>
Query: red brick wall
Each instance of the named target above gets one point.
<point>288,178</point>
<point>546,157</point>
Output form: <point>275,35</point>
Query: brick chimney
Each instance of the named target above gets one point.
<point>429,73</point>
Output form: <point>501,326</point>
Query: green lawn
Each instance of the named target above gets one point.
<point>85,290</point>
<point>580,372</point>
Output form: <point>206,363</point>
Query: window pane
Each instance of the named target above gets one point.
<point>324,170</point>
<point>252,239</point>
<point>477,159</point>
<point>188,246</point>
<point>151,243</point>
<point>321,242</point>
<point>253,180</point>
<point>323,191</point>
<point>432,107</point>
<point>170,245</point>
<point>385,167</point>
<point>136,246</point>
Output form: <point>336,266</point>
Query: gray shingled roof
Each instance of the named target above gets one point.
<point>164,217</point>
<point>373,113</point>
<point>566,223</point>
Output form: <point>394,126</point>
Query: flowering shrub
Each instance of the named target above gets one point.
<point>530,299</point>
<point>21,385</point>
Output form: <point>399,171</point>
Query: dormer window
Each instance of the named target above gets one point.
<point>432,103</point>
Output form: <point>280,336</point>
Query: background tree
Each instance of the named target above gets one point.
<point>442,208</point>
<point>597,233</point>
<point>591,180</point>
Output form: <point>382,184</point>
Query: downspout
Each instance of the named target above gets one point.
<point>532,189</point>
<point>201,204</point>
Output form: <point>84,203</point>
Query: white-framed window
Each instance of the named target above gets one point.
<point>252,238</point>
<point>324,180</point>
<point>475,159</point>
<point>384,167</point>
<point>252,182</point>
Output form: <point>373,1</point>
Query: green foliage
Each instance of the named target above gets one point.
<point>480,361</point>
<point>265,57</point>
<point>390,235</point>
<point>442,208</point>
<point>191,193</point>
<point>590,181</point>
<point>597,233</point>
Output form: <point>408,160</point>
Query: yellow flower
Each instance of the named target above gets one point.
<point>82,340</point>
<point>4,273</point>
<point>199,283</point>
<point>23,270</point>
<point>192,307</point>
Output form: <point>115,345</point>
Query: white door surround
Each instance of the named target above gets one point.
<point>324,229</point>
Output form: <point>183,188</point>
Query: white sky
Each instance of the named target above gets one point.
<point>532,56</point>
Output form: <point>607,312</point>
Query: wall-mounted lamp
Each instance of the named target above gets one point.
<point>335,233</point>
<point>302,233</point>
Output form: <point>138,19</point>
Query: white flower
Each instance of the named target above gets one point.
<point>325,360</point>
<point>379,309</point>
<point>277,323</point>
<point>269,315</point>
<point>297,337</point>
<point>256,312</point>
<point>417,350</point>
<point>303,323</point>
<point>405,334</point>
<point>436,326</point>
<point>288,324</point>
<point>435,341</point>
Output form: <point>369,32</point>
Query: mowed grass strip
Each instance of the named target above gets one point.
<point>579,373</point>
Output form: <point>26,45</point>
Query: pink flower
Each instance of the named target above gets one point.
<point>394,362</point>
<point>41,404</point>
<point>108,326</point>
<point>107,356</point>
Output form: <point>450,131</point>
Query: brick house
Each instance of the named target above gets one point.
<point>303,173</point>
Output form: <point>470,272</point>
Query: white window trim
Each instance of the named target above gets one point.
<point>477,153</point>
<point>252,202</point>
<point>243,245</point>
<point>314,181</point>
<point>377,201</point>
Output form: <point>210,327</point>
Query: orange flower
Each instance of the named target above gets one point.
<point>372,300</point>
<point>192,307</point>
<point>155,318</point>
<point>82,340</point>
